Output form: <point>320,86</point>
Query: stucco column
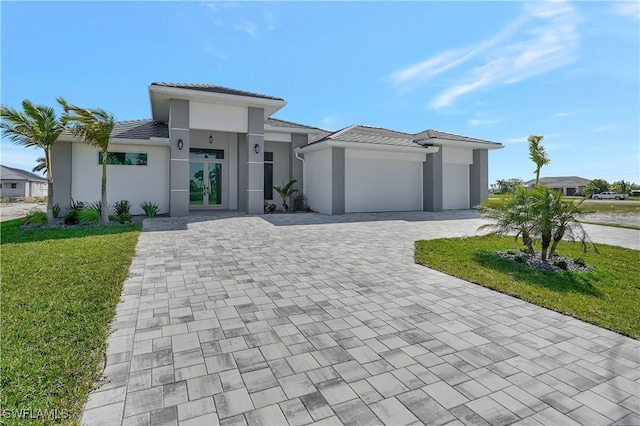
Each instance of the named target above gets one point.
<point>255,161</point>
<point>432,182</point>
<point>295,165</point>
<point>479,177</point>
<point>179,158</point>
<point>337,180</point>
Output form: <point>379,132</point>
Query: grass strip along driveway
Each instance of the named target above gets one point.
<point>60,288</point>
<point>608,296</point>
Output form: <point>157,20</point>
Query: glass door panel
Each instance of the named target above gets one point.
<point>215,184</point>
<point>196,184</point>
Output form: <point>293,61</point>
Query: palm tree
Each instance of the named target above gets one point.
<point>537,154</point>
<point>512,215</point>
<point>285,192</point>
<point>41,166</point>
<point>95,126</point>
<point>35,126</point>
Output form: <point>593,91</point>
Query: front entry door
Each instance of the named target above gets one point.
<point>205,184</point>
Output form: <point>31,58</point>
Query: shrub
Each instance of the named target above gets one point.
<point>56,210</point>
<point>37,218</point>
<point>76,205</point>
<point>300,202</point>
<point>89,215</point>
<point>151,209</point>
<point>562,264</point>
<point>121,206</point>
<point>580,262</point>
<point>285,192</point>
<point>124,217</point>
<point>269,207</point>
<point>519,259</point>
<point>97,206</point>
<point>72,217</point>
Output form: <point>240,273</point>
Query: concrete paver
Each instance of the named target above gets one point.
<point>277,319</point>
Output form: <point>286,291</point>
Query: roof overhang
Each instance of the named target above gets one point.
<point>367,146</point>
<point>459,144</point>
<point>160,96</point>
<point>287,129</point>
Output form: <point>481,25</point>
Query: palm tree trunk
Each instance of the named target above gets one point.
<point>538,175</point>
<point>47,159</point>
<point>104,216</point>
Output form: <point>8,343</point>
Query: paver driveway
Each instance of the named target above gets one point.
<point>307,318</point>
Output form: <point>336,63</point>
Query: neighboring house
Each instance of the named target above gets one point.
<point>19,183</point>
<point>569,185</point>
<point>210,147</point>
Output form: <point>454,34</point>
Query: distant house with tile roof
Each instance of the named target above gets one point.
<point>20,183</point>
<point>208,147</point>
<point>569,185</point>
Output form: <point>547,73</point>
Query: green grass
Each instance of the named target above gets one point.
<point>608,296</point>
<point>59,288</point>
<point>611,206</point>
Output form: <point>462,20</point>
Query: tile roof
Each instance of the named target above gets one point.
<point>140,129</point>
<point>208,87</point>
<point>136,129</point>
<point>561,181</point>
<point>436,134</point>
<point>18,174</point>
<point>375,135</point>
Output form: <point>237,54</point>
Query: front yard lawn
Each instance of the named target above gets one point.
<point>608,296</point>
<point>59,291</point>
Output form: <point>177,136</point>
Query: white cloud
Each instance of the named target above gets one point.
<point>542,39</point>
<point>248,27</point>
<point>564,114</point>
<point>477,122</point>
<point>522,139</point>
<point>630,9</point>
<point>330,122</point>
<point>234,16</point>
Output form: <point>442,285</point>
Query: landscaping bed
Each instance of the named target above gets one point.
<point>607,296</point>
<point>60,288</point>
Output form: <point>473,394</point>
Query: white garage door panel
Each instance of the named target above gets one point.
<point>455,181</point>
<point>382,185</point>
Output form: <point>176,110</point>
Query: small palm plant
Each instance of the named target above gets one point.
<point>512,215</point>
<point>285,192</point>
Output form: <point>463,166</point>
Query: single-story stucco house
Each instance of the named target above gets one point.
<point>20,183</point>
<point>211,147</point>
<point>569,185</point>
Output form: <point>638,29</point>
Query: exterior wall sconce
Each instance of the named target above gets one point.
<point>256,148</point>
<point>210,138</point>
<point>180,144</point>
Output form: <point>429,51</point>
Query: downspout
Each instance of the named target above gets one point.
<point>296,152</point>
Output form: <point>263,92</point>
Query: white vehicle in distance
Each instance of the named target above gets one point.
<point>609,196</point>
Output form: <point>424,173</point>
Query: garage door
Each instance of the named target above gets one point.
<point>379,185</point>
<point>455,182</point>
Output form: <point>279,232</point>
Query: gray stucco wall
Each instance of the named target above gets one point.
<point>479,177</point>
<point>243,156</point>
<point>337,180</point>
<point>61,166</point>
<point>295,165</point>
<point>432,183</point>
<point>255,163</point>
<point>179,159</point>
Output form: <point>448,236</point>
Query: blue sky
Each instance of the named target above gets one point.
<point>494,70</point>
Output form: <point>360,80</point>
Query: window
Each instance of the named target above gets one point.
<point>268,175</point>
<point>0,185</point>
<point>125,158</point>
<point>211,154</point>
<point>14,185</point>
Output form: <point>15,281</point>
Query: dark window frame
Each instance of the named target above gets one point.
<point>268,175</point>
<point>116,158</point>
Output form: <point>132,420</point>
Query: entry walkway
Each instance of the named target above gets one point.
<point>298,319</point>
